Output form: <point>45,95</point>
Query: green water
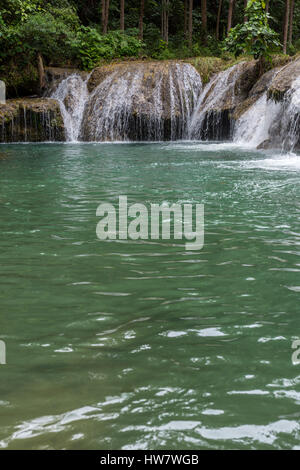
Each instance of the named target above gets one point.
<point>135,344</point>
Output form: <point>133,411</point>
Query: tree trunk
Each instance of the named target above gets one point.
<point>103,9</point>
<point>104,15</point>
<point>185,18</point>
<point>141,24</point>
<point>291,21</point>
<point>204,15</point>
<point>122,8</point>
<point>267,6</point>
<point>286,25</point>
<point>165,20</point>
<point>230,15</point>
<point>190,23</point>
<point>262,65</point>
<point>245,6</point>
<point>41,72</point>
<point>218,20</point>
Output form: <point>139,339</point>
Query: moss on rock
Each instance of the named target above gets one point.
<point>284,80</point>
<point>31,120</point>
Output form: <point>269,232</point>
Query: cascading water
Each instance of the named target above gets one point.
<point>290,122</point>
<point>270,123</point>
<point>252,128</point>
<point>31,120</point>
<point>165,101</point>
<point>72,95</point>
<point>142,102</point>
<point>219,94</point>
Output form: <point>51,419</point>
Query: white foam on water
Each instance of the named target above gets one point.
<point>205,146</point>
<point>289,162</point>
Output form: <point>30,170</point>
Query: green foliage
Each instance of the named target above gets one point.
<point>21,79</point>
<point>254,37</point>
<point>91,47</point>
<point>67,32</point>
<point>41,32</point>
<point>16,11</point>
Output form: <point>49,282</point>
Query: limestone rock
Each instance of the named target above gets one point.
<point>260,87</point>
<point>31,120</point>
<point>140,101</point>
<point>54,75</point>
<point>284,79</point>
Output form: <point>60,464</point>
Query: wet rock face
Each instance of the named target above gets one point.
<point>283,81</point>
<point>233,85</point>
<point>152,101</point>
<point>54,75</point>
<point>213,117</point>
<point>140,101</point>
<point>270,116</point>
<point>260,87</point>
<point>31,120</point>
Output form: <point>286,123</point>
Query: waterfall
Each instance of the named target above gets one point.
<point>72,95</point>
<point>271,124</point>
<point>290,122</point>
<point>31,120</point>
<point>252,128</point>
<point>143,101</point>
<point>218,95</point>
<point>156,101</point>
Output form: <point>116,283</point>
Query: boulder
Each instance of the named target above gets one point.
<point>140,101</point>
<point>54,75</point>
<point>222,95</point>
<point>260,87</point>
<point>283,81</point>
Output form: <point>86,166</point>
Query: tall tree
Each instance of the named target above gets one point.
<point>255,37</point>
<point>185,27</point>
<point>104,15</point>
<point>267,6</point>
<point>190,23</point>
<point>165,20</point>
<point>230,15</point>
<point>204,15</point>
<point>122,15</point>
<point>41,72</point>
<point>141,20</point>
<point>286,25</point>
<point>291,21</point>
<point>245,6</point>
<point>218,20</point>
<point>103,8</point>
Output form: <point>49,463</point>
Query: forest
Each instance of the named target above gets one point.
<point>86,33</point>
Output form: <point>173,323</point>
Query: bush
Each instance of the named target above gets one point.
<point>42,33</point>
<point>254,37</point>
<point>91,47</point>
